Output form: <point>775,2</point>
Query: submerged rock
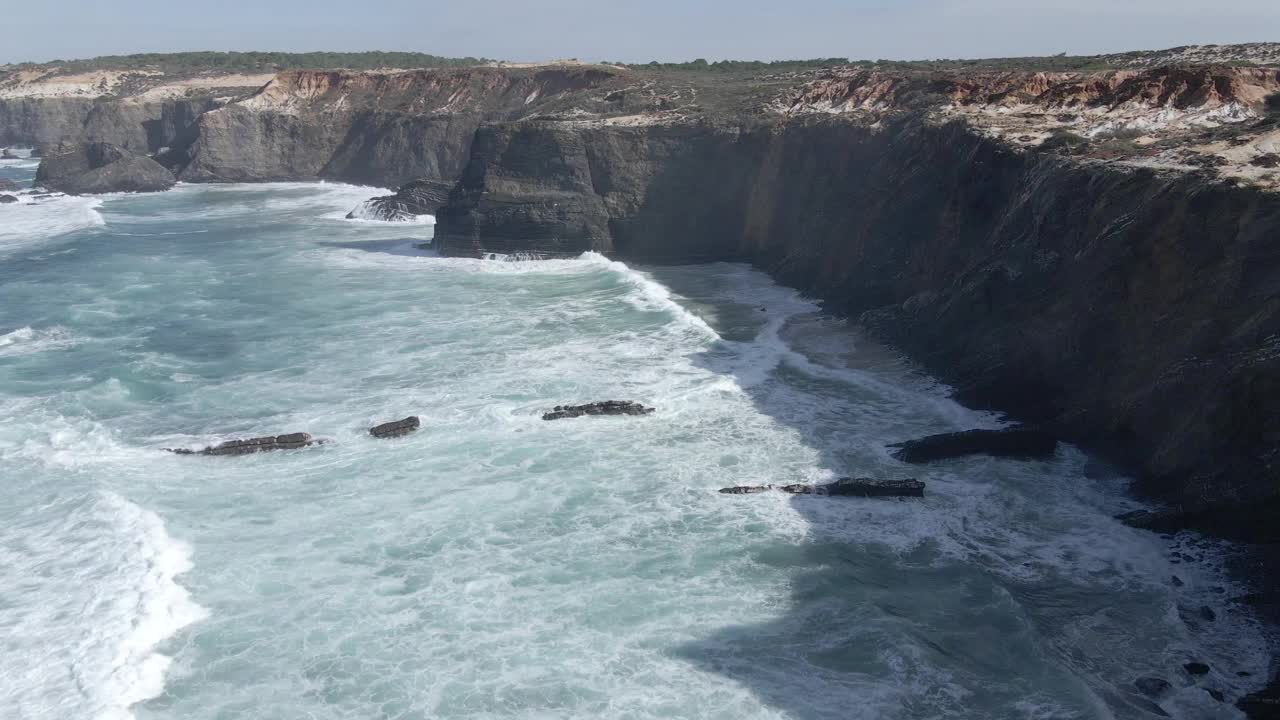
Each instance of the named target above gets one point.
<point>7,199</point>
<point>247,446</point>
<point>746,489</point>
<point>1010,442</point>
<point>1152,686</point>
<point>410,202</point>
<point>606,407</point>
<point>1196,668</point>
<point>102,168</point>
<point>396,428</point>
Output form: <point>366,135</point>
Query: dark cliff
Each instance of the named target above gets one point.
<point>1130,310</point>
<point>136,125</point>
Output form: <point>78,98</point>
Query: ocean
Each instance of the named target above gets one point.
<point>495,565</point>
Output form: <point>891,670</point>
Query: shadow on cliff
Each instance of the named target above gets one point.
<point>883,621</point>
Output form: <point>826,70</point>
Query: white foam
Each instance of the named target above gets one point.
<point>25,341</point>
<point>32,221</point>
<point>99,596</point>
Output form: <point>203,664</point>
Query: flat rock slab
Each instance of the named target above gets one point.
<point>606,407</point>
<point>248,446</point>
<point>1011,442</point>
<point>844,487</point>
<point>396,428</point>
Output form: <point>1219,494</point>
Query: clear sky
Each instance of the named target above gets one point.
<point>636,31</point>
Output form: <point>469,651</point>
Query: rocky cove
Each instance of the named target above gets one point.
<point>1090,253</point>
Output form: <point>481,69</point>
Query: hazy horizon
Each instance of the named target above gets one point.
<point>661,30</point>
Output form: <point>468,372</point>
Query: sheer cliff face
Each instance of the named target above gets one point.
<point>381,128</point>
<point>137,125</point>
<point>1130,310</point>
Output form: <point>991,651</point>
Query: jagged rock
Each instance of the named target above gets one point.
<point>396,428</point>
<point>1152,686</point>
<point>606,407</point>
<point>411,201</point>
<point>102,168</point>
<point>746,489</point>
<point>7,199</point>
<point>9,185</point>
<point>1011,442</point>
<point>1264,704</point>
<point>1196,668</point>
<point>247,446</point>
<point>861,487</point>
<point>1216,694</point>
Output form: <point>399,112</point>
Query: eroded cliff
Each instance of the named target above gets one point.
<point>1126,303</point>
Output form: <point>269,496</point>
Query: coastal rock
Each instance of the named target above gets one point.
<point>7,154</point>
<point>746,489</point>
<point>1011,442</point>
<point>8,185</point>
<point>5,199</point>
<point>247,446</point>
<point>410,202</point>
<point>860,487</point>
<point>102,168</point>
<point>1164,520</point>
<point>1152,687</point>
<point>606,407</point>
<point>395,428</point>
<point>1196,668</point>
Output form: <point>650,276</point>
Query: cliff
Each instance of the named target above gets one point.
<point>377,128</point>
<point>1121,299</point>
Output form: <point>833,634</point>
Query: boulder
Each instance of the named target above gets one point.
<point>410,202</point>
<point>1009,442</point>
<point>606,407</point>
<point>290,441</point>
<point>9,185</point>
<point>5,199</point>
<point>396,428</point>
<point>102,168</point>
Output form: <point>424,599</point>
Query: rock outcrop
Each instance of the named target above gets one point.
<point>6,199</point>
<point>101,168</point>
<point>844,487</point>
<point>249,446</point>
<point>605,407</point>
<point>1009,442</point>
<point>410,202</point>
<point>396,428</point>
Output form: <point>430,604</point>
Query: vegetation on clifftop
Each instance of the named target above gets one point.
<point>255,62</point>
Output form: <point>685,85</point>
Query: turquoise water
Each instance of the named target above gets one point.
<point>494,565</point>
